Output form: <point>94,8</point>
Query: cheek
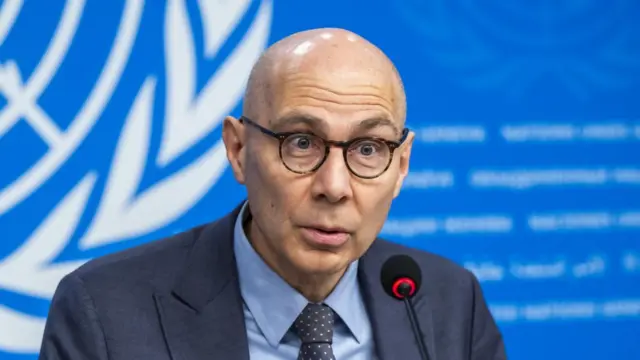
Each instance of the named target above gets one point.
<point>262,171</point>
<point>374,201</point>
<point>261,187</point>
<point>275,191</point>
<point>375,196</point>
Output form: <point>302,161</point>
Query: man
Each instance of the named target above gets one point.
<point>293,272</point>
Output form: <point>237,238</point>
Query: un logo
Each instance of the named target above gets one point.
<point>582,46</point>
<point>150,83</point>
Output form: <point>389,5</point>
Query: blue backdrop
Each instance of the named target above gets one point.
<point>526,166</point>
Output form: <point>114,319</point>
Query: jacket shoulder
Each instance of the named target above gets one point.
<point>153,263</point>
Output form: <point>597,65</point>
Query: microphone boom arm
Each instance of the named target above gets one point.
<point>413,318</point>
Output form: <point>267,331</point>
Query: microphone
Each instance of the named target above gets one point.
<point>401,279</point>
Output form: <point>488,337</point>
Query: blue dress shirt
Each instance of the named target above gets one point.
<point>271,306</point>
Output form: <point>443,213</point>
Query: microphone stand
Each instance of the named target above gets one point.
<point>413,318</point>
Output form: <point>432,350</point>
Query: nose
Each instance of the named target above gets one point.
<point>332,181</point>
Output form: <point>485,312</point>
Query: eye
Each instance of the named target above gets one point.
<point>302,144</point>
<point>301,141</point>
<point>368,148</point>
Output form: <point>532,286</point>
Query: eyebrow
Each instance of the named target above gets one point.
<point>320,125</point>
<point>376,122</point>
<point>296,118</point>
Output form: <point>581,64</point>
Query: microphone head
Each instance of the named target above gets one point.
<point>401,276</point>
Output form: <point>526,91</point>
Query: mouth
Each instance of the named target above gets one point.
<point>325,236</point>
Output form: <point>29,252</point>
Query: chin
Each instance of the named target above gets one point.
<point>321,262</point>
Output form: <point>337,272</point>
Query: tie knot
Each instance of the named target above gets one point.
<point>315,324</point>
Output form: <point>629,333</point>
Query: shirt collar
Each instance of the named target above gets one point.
<point>275,305</point>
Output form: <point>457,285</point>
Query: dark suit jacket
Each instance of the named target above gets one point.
<point>179,299</point>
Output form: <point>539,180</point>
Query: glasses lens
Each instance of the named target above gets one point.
<point>368,157</point>
<point>302,152</point>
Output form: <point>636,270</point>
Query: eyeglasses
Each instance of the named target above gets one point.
<point>303,153</point>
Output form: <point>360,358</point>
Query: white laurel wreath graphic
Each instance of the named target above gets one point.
<point>454,44</point>
<point>22,95</point>
<point>121,214</point>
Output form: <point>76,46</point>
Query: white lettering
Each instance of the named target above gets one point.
<point>451,134</point>
<point>570,221</point>
<point>621,308</point>
<point>504,313</point>
<point>631,262</point>
<point>450,225</point>
<point>492,224</point>
<point>429,179</point>
<point>522,179</point>
<point>540,132</point>
<point>606,132</point>
<point>593,266</point>
<point>538,270</point>
<point>486,271</point>
<point>626,176</point>
<point>409,228</point>
<point>629,219</point>
<point>566,310</point>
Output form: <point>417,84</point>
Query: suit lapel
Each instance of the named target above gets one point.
<point>391,327</point>
<point>202,318</point>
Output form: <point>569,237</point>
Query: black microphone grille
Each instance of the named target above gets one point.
<point>398,267</point>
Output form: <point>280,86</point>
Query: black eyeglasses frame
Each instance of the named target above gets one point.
<point>344,145</point>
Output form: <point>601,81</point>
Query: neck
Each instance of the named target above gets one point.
<point>314,287</point>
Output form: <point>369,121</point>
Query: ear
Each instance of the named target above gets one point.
<point>405,156</point>
<point>234,142</point>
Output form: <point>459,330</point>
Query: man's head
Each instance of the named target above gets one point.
<point>325,84</point>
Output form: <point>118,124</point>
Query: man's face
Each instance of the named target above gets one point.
<point>292,212</point>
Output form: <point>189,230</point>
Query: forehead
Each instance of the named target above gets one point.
<point>340,93</point>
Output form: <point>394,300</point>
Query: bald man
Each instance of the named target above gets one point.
<point>294,271</point>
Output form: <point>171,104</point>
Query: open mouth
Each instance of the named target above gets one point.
<point>328,231</point>
<point>325,237</point>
